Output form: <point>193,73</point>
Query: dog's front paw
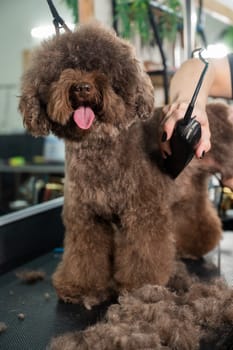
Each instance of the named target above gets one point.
<point>70,299</point>
<point>88,301</point>
<point>80,289</point>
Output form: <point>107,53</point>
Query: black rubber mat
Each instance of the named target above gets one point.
<point>45,316</point>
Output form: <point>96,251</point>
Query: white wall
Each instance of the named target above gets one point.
<point>103,11</point>
<point>17,18</point>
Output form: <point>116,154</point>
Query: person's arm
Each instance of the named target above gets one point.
<point>217,82</point>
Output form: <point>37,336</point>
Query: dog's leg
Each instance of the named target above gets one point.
<point>199,230</point>
<point>144,249</point>
<point>84,274</point>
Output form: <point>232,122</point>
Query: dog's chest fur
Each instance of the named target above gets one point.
<point>108,174</point>
<point>97,172</point>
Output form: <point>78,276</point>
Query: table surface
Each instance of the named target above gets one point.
<point>48,317</point>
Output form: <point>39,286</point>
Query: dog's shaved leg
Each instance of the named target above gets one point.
<point>144,253</point>
<point>84,274</point>
<point>195,238</point>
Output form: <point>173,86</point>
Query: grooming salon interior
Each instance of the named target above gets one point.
<point>164,34</point>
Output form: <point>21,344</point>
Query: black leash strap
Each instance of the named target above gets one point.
<point>57,20</point>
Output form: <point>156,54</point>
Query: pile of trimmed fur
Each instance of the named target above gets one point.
<point>188,314</point>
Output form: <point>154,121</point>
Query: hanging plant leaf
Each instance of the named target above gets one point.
<point>140,16</point>
<point>124,16</point>
<point>133,18</point>
<point>73,5</point>
<point>169,22</point>
<point>227,36</point>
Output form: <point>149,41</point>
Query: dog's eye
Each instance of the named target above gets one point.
<point>77,88</point>
<point>87,87</point>
<point>117,90</point>
<point>82,87</point>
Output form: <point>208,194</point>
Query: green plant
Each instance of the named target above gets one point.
<point>133,18</point>
<point>73,5</point>
<point>169,20</point>
<point>227,36</point>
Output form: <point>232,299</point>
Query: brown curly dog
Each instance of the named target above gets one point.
<point>124,218</point>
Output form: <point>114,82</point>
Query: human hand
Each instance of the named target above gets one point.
<point>173,113</point>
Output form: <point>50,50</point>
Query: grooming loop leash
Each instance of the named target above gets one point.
<point>58,22</point>
<point>189,111</point>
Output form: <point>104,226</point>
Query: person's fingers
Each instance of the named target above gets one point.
<point>175,112</point>
<point>204,144</point>
<point>168,129</point>
<point>172,114</point>
<point>165,109</point>
<point>165,149</point>
<point>168,109</point>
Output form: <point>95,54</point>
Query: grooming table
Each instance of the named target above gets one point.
<point>46,317</point>
<point>27,242</point>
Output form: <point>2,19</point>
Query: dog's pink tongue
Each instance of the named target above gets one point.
<point>84,117</point>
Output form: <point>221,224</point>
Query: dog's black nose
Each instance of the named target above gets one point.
<point>83,87</point>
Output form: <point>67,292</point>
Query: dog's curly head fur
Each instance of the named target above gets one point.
<point>92,68</point>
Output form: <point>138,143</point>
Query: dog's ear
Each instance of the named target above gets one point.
<point>34,115</point>
<point>59,107</point>
<point>114,107</point>
<point>144,98</point>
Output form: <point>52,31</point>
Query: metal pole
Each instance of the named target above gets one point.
<point>190,22</point>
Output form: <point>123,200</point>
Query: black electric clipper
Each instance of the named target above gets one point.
<point>186,135</point>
